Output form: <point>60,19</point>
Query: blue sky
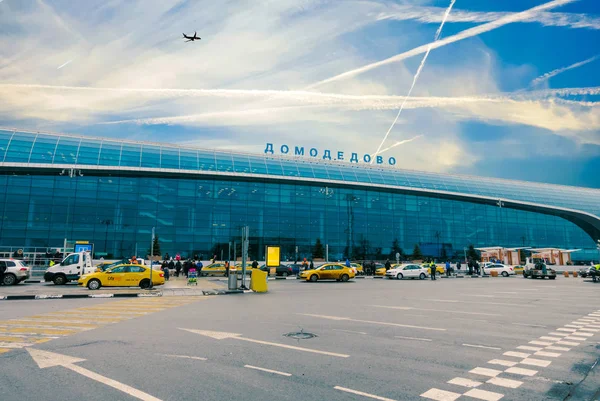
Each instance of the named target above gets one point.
<point>520,99</point>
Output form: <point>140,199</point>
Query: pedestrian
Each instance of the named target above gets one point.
<point>432,267</point>
<point>177,268</point>
<point>477,267</point>
<point>388,265</point>
<point>199,267</point>
<point>186,267</point>
<point>373,268</point>
<point>166,272</point>
<point>304,264</point>
<point>312,265</point>
<point>178,257</point>
<point>458,266</point>
<point>227,269</point>
<point>448,268</point>
<point>470,266</point>
<point>255,264</point>
<point>171,264</point>
<point>348,263</point>
<point>2,271</point>
<point>167,256</point>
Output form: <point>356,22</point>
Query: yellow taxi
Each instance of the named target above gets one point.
<point>128,275</point>
<point>329,271</point>
<point>439,269</point>
<point>214,269</point>
<point>359,268</point>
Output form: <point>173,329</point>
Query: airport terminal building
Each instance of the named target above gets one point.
<point>112,193</point>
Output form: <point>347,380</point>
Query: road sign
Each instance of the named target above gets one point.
<point>273,256</point>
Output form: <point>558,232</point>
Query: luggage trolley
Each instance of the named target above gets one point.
<point>192,277</point>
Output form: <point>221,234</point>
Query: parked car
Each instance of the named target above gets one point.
<point>129,275</point>
<point>537,271</point>
<point>407,271</point>
<point>329,271</point>
<point>16,271</point>
<point>503,270</point>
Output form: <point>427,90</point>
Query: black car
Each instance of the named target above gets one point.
<point>280,270</point>
<point>585,272</point>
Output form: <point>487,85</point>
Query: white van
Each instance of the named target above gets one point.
<point>70,269</point>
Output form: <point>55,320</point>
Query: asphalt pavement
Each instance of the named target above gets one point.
<point>485,338</point>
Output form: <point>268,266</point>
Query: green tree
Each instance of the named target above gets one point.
<point>396,249</point>
<point>417,255</point>
<point>155,246</point>
<point>472,253</point>
<point>319,251</point>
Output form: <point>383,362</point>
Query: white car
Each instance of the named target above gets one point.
<point>16,271</point>
<point>408,271</point>
<point>503,270</point>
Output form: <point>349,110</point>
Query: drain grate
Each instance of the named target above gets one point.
<point>300,335</point>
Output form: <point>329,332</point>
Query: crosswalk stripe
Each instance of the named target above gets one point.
<point>535,342</point>
<point>485,372</point>
<point>36,330</point>
<point>553,348</point>
<point>550,338</point>
<point>483,395</point>
<point>459,381</point>
<point>3,350</point>
<point>528,348</point>
<point>502,362</point>
<point>548,354</point>
<point>571,343</point>
<point>584,334</point>
<point>521,371</point>
<point>498,381</point>
<point>14,345</point>
<point>558,334</point>
<point>575,338</point>
<point>516,354</point>
<point>440,395</point>
<point>536,362</point>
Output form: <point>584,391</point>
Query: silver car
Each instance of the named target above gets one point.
<point>15,272</point>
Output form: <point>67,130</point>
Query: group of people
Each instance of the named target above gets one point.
<point>180,266</point>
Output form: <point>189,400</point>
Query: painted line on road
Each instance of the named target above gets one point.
<point>459,381</point>
<point>521,371</point>
<point>567,330</point>
<point>570,343</point>
<point>268,370</point>
<point>550,338</point>
<point>528,348</point>
<point>502,362</point>
<point>592,330</point>
<point>575,338</point>
<point>485,372</point>
<point>197,358</point>
<point>372,322</point>
<point>414,338</point>
<point>375,397</point>
<point>529,325</point>
<point>440,395</point>
<point>547,354</point>
<point>481,346</point>
<point>554,333</point>
<point>436,310</point>
<point>536,362</point>
<point>314,351</point>
<point>484,395</point>
<point>545,343</point>
<point>516,354</point>
<point>553,348</point>
<point>509,383</point>
<point>582,334</point>
<point>14,345</point>
<point>350,331</point>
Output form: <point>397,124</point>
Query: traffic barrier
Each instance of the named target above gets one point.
<point>258,281</point>
<point>494,273</point>
<point>574,273</point>
<point>566,274</point>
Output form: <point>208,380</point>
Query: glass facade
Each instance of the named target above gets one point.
<point>143,185</point>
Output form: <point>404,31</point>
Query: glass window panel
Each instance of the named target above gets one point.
<point>224,162</point>
<point>89,152</point>
<point>257,165</point>
<point>241,164</point>
<point>206,161</point>
<point>66,151</point>
<point>320,171</point>
<point>43,149</point>
<point>274,167</point>
<point>188,159</point>
<point>150,156</point>
<point>4,139</point>
<point>130,155</point>
<point>110,153</point>
<point>289,168</point>
<point>19,148</point>
<point>169,158</point>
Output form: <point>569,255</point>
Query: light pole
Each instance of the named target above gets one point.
<point>465,250</point>
<point>107,223</point>
<point>72,173</point>
<point>598,248</point>
<point>151,256</point>
<point>437,236</point>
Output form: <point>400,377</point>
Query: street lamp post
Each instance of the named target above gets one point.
<point>598,248</point>
<point>437,236</point>
<point>151,256</point>
<point>72,173</point>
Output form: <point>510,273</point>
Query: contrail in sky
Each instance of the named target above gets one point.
<point>490,26</point>
<point>554,73</point>
<point>416,77</point>
<point>398,144</point>
<point>65,64</point>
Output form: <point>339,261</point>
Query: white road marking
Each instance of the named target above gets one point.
<point>372,322</point>
<point>575,338</point>
<point>550,338</point>
<point>521,371</point>
<point>14,345</point>
<point>483,395</point>
<point>350,331</point>
<point>504,382</point>
<point>481,346</point>
<point>548,354</point>
<point>414,338</point>
<point>440,395</point>
<point>539,343</point>
<point>577,326</point>
<point>571,343</point>
<point>536,362</point>
<point>585,320</point>
<point>375,397</point>
<point>502,362</point>
<point>516,354</point>
<point>459,381</point>
<point>485,372</point>
<point>437,310</point>
<point>45,359</point>
<point>553,348</point>
<point>528,348</point>
<point>586,329</point>
<point>480,296</point>
<point>580,334</point>
<point>198,358</point>
<point>569,330</point>
<point>268,370</point>
<point>439,300</point>
<point>222,335</point>
<point>505,292</point>
<point>529,325</point>
<point>594,326</point>
<point>553,333</point>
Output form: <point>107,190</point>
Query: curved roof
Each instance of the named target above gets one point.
<point>22,147</point>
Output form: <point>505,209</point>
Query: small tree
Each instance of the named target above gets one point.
<point>319,251</point>
<point>396,249</point>
<point>155,247</point>
<point>472,253</point>
<point>417,255</point>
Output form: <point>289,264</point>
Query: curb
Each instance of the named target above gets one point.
<point>74,296</point>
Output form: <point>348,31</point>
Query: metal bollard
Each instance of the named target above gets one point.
<point>232,281</point>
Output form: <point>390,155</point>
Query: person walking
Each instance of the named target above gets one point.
<point>470,267</point>
<point>433,269</point>
<point>312,265</point>
<point>177,268</point>
<point>448,268</point>
<point>304,264</point>
<point>348,263</point>
<point>186,267</point>
<point>227,269</point>
<point>166,272</point>
<point>388,265</point>
<point>458,266</point>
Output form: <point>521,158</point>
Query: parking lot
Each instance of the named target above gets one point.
<point>483,338</point>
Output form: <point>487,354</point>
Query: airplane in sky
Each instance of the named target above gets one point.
<point>191,38</point>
